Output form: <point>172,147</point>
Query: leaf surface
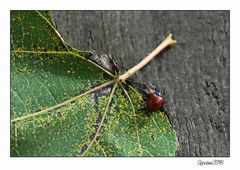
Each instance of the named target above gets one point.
<point>47,119</point>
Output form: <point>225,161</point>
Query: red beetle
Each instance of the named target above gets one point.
<point>155,101</point>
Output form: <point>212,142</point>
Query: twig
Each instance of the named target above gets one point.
<point>167,42</point>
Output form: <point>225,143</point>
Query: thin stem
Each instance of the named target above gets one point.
<point>167,42</point>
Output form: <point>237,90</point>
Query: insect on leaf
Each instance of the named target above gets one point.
<point>64,101</point>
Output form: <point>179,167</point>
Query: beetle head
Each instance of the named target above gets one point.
<point>159,93</point>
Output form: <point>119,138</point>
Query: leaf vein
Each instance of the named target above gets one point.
<point>102,120</point>
<point>64,52</point>
<point>65,102</point>
<point>59,36</point>
<point>135,121</point>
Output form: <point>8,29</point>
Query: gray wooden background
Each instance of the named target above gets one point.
<point>195,74</point>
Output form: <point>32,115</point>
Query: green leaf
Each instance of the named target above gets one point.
<point>58,108</point>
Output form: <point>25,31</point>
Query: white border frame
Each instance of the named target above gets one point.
<point>6,162</point>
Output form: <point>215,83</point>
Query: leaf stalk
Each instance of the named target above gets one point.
<point>167,42</point>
